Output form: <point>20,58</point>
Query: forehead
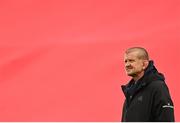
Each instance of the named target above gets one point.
<point>132,55</point>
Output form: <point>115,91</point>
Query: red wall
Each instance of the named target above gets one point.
<point>63,60</point>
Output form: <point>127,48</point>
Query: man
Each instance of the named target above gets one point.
<point>147,95</point>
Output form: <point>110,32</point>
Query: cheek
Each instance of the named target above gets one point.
<point>138,67</point>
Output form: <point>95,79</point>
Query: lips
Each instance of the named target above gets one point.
<point>129,68</point>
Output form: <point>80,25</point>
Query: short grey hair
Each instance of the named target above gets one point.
<point>143,54</point>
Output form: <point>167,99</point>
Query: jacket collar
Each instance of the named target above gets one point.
<point>150,74</point>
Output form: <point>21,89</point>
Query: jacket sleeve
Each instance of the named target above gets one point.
<point>163,108</point>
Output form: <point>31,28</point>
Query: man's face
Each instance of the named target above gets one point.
<point>133,65</point>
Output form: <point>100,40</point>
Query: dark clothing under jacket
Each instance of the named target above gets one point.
<point>148,100</point>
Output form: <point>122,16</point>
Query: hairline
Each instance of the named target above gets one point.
<point>143,54</point>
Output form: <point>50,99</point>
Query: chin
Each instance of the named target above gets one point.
<point>131,74</point>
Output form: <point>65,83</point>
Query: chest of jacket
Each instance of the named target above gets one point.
<point>138,107</point>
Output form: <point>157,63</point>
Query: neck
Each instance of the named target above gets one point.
<point>137,77</point>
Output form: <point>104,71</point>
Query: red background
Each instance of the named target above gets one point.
<point>63,60</point>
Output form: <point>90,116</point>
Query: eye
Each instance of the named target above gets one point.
<point>131,60</point>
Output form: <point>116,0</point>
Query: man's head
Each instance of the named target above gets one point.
<point>136,61</point>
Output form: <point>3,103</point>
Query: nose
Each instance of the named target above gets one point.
<point>127,64</point>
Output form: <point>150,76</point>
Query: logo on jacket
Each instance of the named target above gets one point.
<point>167,106</point>
<point>140,98</point>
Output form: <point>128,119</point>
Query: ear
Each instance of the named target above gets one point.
<point>145,64</point>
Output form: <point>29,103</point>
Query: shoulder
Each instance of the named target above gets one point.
<point>158,84</point>
<point>160,88</point>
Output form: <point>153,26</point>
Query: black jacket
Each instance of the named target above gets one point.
<point>148,100</point>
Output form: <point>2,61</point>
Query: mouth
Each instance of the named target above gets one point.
<point>129,69</point>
